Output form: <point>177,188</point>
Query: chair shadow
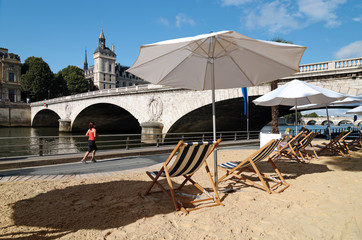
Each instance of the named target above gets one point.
<point>347,163</point>
<point>89,206</point>
<point>288,169</point>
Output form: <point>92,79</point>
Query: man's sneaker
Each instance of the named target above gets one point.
<point>83,161</point>
<point>93,160</point>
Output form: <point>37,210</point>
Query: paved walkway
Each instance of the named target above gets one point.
<point>68,166</point>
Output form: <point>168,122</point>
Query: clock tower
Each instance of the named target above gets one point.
<point>104,65</point>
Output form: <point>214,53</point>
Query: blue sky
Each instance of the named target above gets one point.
<point>60,31</point>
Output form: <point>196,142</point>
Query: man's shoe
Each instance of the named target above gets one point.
<point>93,160</point>
<point>83,161</point>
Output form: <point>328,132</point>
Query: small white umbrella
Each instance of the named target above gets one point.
<point>346,101</point>
<point>217,60</point>
<point>356,110</point>
<point>297,93</point>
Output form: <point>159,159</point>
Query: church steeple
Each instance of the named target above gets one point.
<point>85,67</point>
<point>102,40</point>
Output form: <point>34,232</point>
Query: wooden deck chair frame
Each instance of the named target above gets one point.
<point>290,149</point>
<point>337,145</point>
<point>236,169</point>
<point>180,166</point>
<point>304,143</point>
<point>355,142</point>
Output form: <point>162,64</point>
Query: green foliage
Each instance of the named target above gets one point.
<point>313,114</point>
<point>72,80</point>
<point>37,80</point>
<point>291,117</point>
<point>281,40</point>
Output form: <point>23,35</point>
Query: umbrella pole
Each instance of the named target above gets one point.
<point>211,61</point>
<point>328,124</point>
<point>296,120</point>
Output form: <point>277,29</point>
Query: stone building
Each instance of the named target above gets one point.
<point>106,73</point>
<point>10,70</point>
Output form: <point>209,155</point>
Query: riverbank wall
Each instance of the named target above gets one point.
<point>15,115</point>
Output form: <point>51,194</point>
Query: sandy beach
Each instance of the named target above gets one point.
<point>323,202</point>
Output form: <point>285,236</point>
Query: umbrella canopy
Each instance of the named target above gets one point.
<point>346,101</point>
<point>296,93</point>
<point>217,60</point>
<point>239,61</point>
<point>356,110</point>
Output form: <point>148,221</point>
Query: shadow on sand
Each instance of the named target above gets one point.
<point>347,163</point>
<point>90,206</point>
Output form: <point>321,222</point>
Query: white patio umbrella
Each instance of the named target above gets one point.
<point>356,110</point>
<point>296,93</point>
<point>347,101</point>
<point>217,60</point>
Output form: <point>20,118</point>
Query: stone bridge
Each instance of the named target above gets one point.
<point>165,109</point>
<point>336,121</point>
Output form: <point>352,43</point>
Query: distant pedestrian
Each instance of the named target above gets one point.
<point>92,147</point>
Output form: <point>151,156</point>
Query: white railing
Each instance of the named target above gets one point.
<point>104,92</point>
<point>331,65</point>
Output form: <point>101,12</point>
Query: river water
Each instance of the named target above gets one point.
<point>21,141</point>
<point>25,141</point>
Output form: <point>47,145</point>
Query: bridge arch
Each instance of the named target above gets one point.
<point>340,123</point>
<point>228,113</point>
<point>326,123</point>
<point>109,117</point>
<point>46,118</point>
<point>311,122</point>
<point>229,117</point>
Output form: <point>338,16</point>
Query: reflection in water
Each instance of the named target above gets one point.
<point>24,141</point>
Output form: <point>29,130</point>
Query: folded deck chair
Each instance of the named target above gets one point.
<point>307,142</point>
<point>185,160</point>
<point>289,149</point>
<point>237,170</point>
<point>336,145</point>
<point>355,142</point>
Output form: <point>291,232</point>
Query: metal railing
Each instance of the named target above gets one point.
<point>334,131</point>
<point>70,144</point>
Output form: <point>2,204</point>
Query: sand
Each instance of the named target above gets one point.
<point>323,202</point>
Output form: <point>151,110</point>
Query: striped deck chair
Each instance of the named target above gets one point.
<point>185,160</point>
<point>336,145</point>
<point>237,170</point>
<point>290,149</point>
<point>304,143</point>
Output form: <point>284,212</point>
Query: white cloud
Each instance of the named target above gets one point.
<point>275,16</point>
<point>350,51</point>
<point>321,10</point>
<point>163,21</point>
<point>182,19</point>
<point>286,15</point>
<point>357,19</point>
<point>234,2</point>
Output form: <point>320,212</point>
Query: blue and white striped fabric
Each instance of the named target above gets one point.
<point>190,157</point>
<point>228,165</point>
<point>262,154</point>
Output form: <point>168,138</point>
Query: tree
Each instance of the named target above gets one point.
<point>273,86</point>
<point>73,80</point>
<point>313,114</point>
<point>290,118</point>
<point>37,80</point>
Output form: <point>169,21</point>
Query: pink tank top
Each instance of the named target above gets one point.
<point>91,134</point>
